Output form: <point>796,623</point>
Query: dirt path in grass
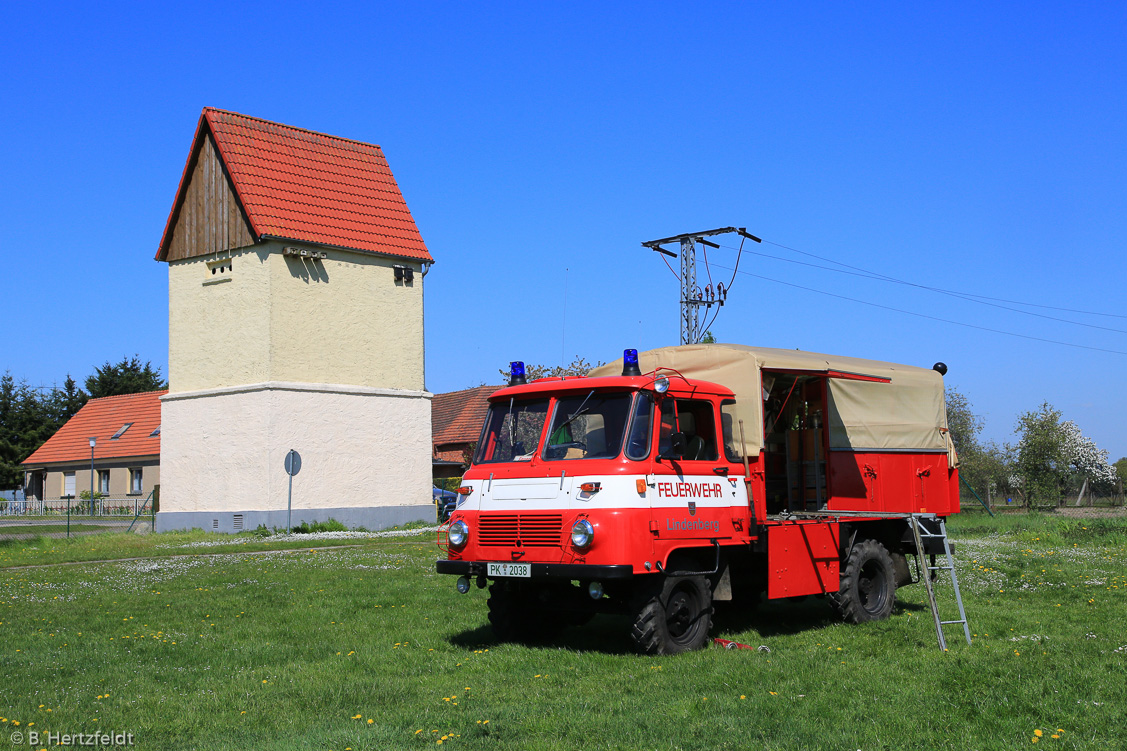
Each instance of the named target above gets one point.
<point>198,555</point>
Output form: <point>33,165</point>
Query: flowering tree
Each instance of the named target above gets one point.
<point>1051,454</point>
<point>1087,458</point>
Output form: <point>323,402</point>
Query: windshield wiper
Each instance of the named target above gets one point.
<point>579,412</point>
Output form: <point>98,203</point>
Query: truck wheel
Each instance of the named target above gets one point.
<point>868,584</point>
<point>517,616</point>
<point>676,619</point>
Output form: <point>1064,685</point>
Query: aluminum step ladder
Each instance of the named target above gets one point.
<point>919,534</point>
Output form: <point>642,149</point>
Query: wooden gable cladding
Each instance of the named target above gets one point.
<point>210,218</point>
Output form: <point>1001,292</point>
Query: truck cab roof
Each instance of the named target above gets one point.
<point>556,385</point>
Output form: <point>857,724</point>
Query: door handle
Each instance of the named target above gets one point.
<point>720,471</point>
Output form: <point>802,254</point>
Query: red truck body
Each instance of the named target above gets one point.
<point>654,495</point>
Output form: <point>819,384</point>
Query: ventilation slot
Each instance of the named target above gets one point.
<point>238,521</point>
<point>215,524</point>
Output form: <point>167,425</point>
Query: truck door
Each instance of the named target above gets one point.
<point>695,487</point>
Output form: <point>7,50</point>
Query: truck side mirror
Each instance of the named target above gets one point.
<point>678,445</point>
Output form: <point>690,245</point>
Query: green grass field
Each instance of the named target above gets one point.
<point>365,647</point>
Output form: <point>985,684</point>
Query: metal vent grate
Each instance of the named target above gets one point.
<point>215,524</point>
<point>521,530</point>
<point>238,521</point>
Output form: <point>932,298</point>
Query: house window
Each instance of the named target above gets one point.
<point>104,481</point>
<point>135,481</point>
<point>120,432</point>
<point>68,484</point>
<point>155,432</point>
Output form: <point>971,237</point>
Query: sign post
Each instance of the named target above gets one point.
<point>293,466</point>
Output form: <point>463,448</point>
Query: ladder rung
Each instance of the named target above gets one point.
<point>944,623</point>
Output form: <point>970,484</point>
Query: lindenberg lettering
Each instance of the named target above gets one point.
<point>691,524</point>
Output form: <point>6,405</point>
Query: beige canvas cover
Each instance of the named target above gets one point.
<point>907,413</point>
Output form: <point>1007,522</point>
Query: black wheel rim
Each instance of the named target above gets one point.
<point>871,586</point>
<point>682,614</point>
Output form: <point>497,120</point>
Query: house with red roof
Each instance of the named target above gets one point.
<point>455,423</point>
<point>295,276</point>
<point>118,435</point>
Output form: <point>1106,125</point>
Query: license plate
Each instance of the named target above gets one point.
<point>520,570</point>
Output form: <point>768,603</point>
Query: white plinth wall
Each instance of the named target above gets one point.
<point>365,456</point>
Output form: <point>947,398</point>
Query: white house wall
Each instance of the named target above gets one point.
<point>365,456</point>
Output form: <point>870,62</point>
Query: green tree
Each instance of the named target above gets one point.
<point>578,367</point>
<point>1042,460</point>
<point>1121,472</point>
<point>986,467</point>
<point>126,377</point>
<point>28,418</point>
<point>25,423</point>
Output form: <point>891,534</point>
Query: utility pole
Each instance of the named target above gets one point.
<point>693,298</point>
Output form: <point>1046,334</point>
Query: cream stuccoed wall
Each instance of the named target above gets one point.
<point>252,315</point>
<point>365,455</point>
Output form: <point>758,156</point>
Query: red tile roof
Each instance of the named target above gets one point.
<point>298,185</point>
<point>101,418</point>
<point>457,417</point>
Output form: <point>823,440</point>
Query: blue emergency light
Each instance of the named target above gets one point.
<point>516,373</point>
<point>630,363</point>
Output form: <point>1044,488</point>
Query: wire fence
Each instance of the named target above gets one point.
<point>1112,501</point>
<point>30,518</point>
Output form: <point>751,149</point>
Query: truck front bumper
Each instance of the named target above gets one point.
<point>578,571</point>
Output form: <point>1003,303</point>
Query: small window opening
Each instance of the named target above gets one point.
<point>120,432</point>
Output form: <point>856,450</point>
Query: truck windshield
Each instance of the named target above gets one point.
<point>588,426</point>
<point>512,431</point>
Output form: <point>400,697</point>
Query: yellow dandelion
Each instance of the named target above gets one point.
<point>418,731</point>
<point>370,720</point>
<point>357,717</point>
<point>742,697</point>
<point>1038,733</point>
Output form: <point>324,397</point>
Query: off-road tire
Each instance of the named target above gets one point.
<point>517,615</point>
<point>674,617</point>
<point>868,584</point>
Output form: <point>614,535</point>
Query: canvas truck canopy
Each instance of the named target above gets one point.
<point>873,405</point>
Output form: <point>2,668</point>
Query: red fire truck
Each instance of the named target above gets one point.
<point>682,476</point>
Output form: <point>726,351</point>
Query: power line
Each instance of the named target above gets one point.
<point>878,275</point>
<point>931,317</point>
<point>968,297</point>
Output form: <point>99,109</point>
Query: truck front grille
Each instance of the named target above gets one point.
<point>521,530</point>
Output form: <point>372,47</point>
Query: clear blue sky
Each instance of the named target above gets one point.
<point>980,148</point>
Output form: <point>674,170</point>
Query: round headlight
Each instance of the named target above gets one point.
<point>581,533</point>
<point>458,534</point>
<point>661,385</point>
